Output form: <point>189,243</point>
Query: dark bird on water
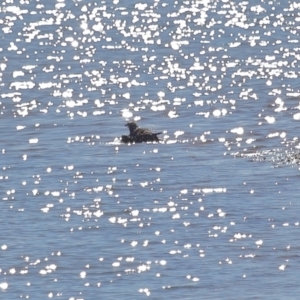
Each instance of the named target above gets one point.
<point>139,135</point>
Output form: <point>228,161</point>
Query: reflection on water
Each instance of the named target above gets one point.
<point>84,214</point>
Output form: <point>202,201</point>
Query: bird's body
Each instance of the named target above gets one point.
<point>139,135</point>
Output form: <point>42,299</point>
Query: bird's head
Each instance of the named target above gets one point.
<point>132,126</point>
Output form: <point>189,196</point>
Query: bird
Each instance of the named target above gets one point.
<point>139,135</point>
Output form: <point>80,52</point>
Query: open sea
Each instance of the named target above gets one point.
<point>211,211</point>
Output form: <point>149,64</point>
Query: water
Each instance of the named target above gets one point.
<point>211,211</point>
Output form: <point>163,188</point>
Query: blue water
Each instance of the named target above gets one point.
<point>211,211</point>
